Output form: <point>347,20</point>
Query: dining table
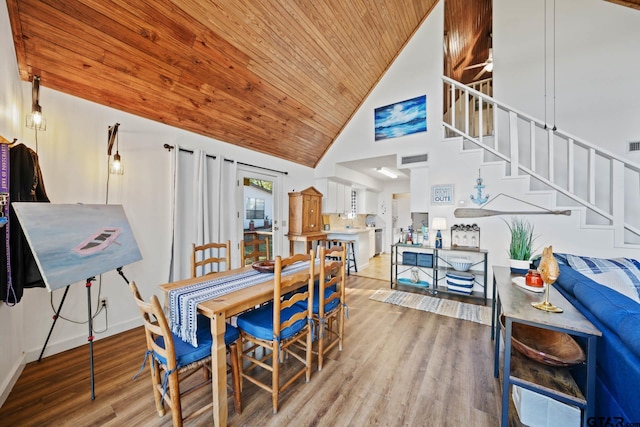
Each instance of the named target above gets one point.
<point>251,289</point>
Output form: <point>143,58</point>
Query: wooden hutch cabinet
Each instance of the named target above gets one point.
<point>305,217</point>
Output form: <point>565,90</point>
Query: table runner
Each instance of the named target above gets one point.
<point>183,302</point>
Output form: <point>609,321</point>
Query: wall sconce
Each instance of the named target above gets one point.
<point>115,166</point>
<point>439,224</point>
<point>35,119</point>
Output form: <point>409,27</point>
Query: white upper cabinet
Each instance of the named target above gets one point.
<point>337,196</point>
<point>367,202</point>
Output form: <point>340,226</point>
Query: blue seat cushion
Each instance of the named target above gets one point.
<point>259,322</point>
<point>186,353</point>
<point>316,301</point>
<point>231,333</point>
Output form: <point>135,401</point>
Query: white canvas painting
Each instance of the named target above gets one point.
<point>73,242</point>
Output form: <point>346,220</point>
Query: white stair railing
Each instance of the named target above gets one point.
<point>604,182</point>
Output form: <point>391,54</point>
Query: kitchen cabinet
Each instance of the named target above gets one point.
<point>367,202</point>
<point>329,204</point>
<point>337,198</point>
<point>372,243</point>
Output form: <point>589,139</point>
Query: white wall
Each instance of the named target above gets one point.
<point>73,159</point>
<point>596,66</point>
<point>598,85</point>
<point>416,71</point>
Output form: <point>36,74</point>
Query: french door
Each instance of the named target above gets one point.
<point>259,206</point>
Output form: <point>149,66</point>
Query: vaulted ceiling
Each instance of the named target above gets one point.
<point>279,77</point>
<point>282,77</point>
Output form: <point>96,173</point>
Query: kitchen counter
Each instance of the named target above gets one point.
<point>360,236</point>
<point>353,230</point>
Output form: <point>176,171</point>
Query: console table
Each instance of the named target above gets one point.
<point>557,383</point>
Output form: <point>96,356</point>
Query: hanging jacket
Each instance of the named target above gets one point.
<point>25,185</point>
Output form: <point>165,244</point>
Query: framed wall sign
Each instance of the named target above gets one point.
<point>442,194</point>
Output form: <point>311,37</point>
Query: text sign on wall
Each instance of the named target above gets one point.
<point>442,194</point>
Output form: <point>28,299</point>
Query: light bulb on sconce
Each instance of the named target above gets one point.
<point>115,167</point>
<point>439,224</point>
<point>35,119</point>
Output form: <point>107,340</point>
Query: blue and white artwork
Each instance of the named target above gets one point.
<point>74,242</point>
<point>402,118</point>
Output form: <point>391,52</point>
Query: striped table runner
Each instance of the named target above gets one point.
<point>183,302</point>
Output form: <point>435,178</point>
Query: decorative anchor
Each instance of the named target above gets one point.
<point>479,200</point>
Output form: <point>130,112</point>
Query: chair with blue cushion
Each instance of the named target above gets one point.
<point>281,329</point>
<point>328,304</point>
<point>171,359</point>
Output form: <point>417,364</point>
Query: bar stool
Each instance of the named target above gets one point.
<point>351,252</point>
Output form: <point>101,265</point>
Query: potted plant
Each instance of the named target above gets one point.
<point>521,244</point>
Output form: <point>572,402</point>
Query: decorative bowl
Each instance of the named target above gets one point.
<point>545,346</point>
<point>267,266</point>
<point>460,264</point>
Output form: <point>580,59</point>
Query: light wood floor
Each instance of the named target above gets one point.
<point>399,367</point>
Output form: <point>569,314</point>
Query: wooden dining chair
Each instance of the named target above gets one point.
<point>282,329</point>
<point>210,257</point>
<point>329,302</point>
<point>250,251</point>
<point>172,360</point>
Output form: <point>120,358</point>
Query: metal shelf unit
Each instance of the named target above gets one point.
<point>433,264</point>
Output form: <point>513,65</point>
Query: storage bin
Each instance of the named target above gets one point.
<point>409,258</point>
<point>425,260</point>
<point>537,410</point>
<point>460,282</point>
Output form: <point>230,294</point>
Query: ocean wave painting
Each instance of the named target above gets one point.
<point>401,118</point>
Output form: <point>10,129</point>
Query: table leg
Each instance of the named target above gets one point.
<point>495,329</point>
<point>219,370</point>
<point>590,391</point>
<point>506,380</point>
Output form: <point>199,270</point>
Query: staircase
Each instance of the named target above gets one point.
<point>602,185</point>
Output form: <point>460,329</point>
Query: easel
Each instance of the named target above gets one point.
<point>90,321</point>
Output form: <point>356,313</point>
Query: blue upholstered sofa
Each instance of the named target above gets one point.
<point>618,318</point>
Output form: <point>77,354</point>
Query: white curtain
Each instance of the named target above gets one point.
<point>202,206</point>
<point>175,264</point>
<point>201,231</point>
<point>228,209</point>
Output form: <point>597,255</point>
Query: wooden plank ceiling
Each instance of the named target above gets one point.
<point>278,77</point>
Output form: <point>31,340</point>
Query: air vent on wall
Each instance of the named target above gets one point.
<point>634,146</point>
<point>416,160</point>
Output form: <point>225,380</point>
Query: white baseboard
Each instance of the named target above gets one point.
<point>12,378</point>
<point>77,341</point>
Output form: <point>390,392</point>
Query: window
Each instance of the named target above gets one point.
<point>254,208</point>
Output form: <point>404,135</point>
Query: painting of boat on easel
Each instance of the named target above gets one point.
<point>73,242</point>
<point>98,241</point>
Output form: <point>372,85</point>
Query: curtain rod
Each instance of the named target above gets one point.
<point>171,147</point>
<point>184,150</point>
